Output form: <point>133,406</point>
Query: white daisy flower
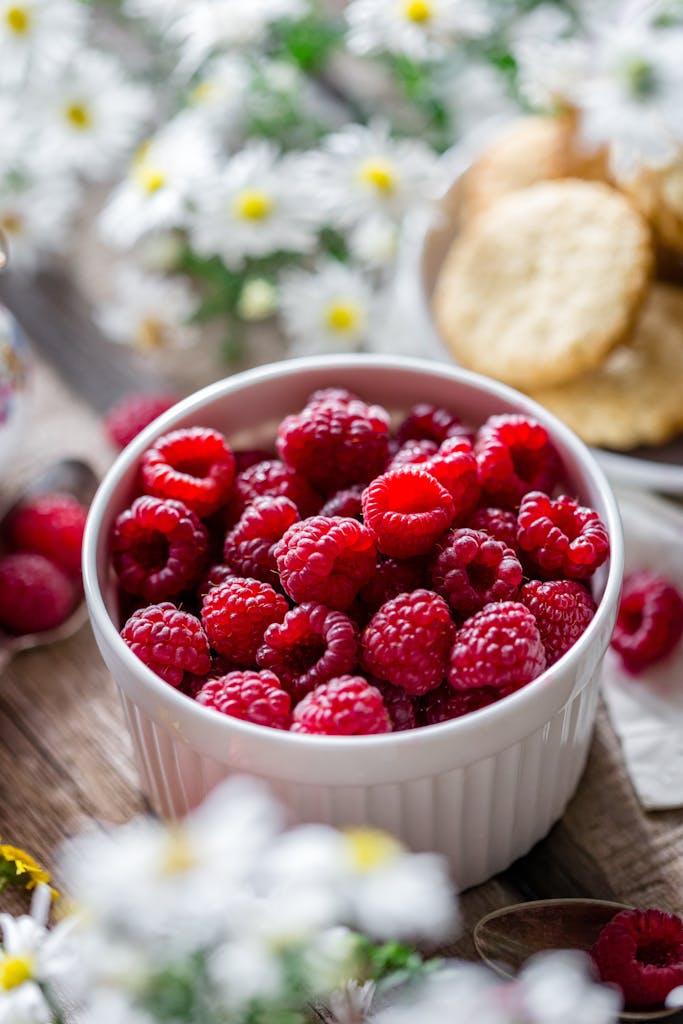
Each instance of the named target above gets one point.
<point>150,312</point>
<point>374,242</point>
<point>558,988</point>
<point>476,96</point>
<point>112,1006</point>
<point>219,94</point>
<point>16,134</point>
<point>258,204</point>
<point>35,216</point>
<point>258,299</point>
<point>243,970</point>
<point>418,29</point>
<point>38,36</point>
<point>160,11</point>
<point>326,310</point>
<point>550,69</point>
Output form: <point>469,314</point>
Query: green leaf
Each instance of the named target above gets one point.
<point>309,42</point>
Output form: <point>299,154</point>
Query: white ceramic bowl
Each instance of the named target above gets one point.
<point>480,789</point>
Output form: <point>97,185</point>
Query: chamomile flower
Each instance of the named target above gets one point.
<point>150,312</point>
<point>245,970</point>
<point>558,988</point>
<point>219,93</point>
<point>326,310</point>
<point>35,216</point>
<point>418,29</point>
<point>374,242</point>
<point>36,36</point>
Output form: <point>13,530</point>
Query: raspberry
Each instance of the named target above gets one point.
<point>325,560</point>
<point>216,575</point>
<point>332,395</point>
<point>413,453</point>
<point>248,457</point>
<point>445,703</point>
<point>336,444</point>
<point>561,537</point>
<point>500,646</point>
<point>471,569</point>
<point>345,706</point>
<point>51,525</point>
<point>237,613</point>
<point>311,645</point>
<point>35,594</point>
<point>649,621</point>
<point>158,548</point>
<point>562,609</point>
<point>393,576</point>
<point>274,478</point>
<point>408,640</point>
<point>499,523</point>
<point>133,413</point>
<point>641,951</point>
<point>401,706</point>
<point>251,696</point>
<point>406,511</point>
<point>427,422</point>
<point>171,642</point>
<point>455,467</point>
<point>250,546</point>
<point>515,455</point>
<point>194,466</point>
<point>346,502</point>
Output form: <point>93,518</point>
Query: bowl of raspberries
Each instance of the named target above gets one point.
<point>382,586</point>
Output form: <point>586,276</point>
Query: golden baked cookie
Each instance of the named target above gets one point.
<point>539,288</point>
<point>636,396</point>
<point>658,194</point>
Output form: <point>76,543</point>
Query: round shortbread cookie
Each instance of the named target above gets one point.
<point>542,286</point>
<point>636,396</point>
<point>658,194</point>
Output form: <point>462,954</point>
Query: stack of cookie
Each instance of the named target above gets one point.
<point>551,285</point>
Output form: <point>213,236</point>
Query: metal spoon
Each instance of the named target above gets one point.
<point>70,476</point>
<point>506,938</point>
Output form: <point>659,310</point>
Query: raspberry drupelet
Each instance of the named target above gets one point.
<point>561,537</point>
<point>194,466</point>
<point>649,621</point>
<point>237,613</point>
<point>35,594</point>
<point>413,453</point>
<point>562,609</point>
<point>171,642</point>
<point>406,511</point>
<point>499,523</point>
<point>455,467</point>
<point>255,697</point>
<point>249,548</point>
<point>430,423</point>
<point>500,646</point>
<point>641,951</point>
<point>326,560</point>
<point>515,455</point>
<point>345,706</point>
<point>471,569</point>
<point>51,525</point>
<point>274,478</point>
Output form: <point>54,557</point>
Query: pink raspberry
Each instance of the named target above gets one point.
<point>249,547</point>
<point>471,569</point>
<point>274,478</point>
<point>194,466</point>
<point>335,444</point>
<point>641,951</point>
<point>562,609</point>
<point>35,594</point>
<point>133,413</point>
<point>237,613</point>
<point>346,502</point>
<point>413,453</point>
<point>401,706</point>
<point>251,696</point>
<point>499,523</point>
<point>50,525</point>
<point>445,703</point>
<point>649,622</point>
<point>393,576</point>
<point>455,467</point>
<point>345,706</point>
<point>408,640</point>
<point>561,538</point>
<point>430,423</point>
<point>158,548</point>
<point>515,455</point>
<point>171,642</point>
<point>500,646</point>
<point>311,645</point>
<point>406,511</point>
<point>325,560</point>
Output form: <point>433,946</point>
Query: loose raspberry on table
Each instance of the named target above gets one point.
<point>249,547</point>
<point>649,621</point>
<point>445,703</point>
<point>471,569</point>
<point>562,609</point>
<point>251,696</point>
<point>326,560</point>
<point>394,576</point>
<point>171,642</point>
<point>311,645</point>
<point>407,642</point>
<point>35,594</point>
<point>194,466</point>
<point>455,467</point>
<point>346,502</point>
<point>515,455</point>
<point>50,525</point>
<point>237,613</point>
<point>401,706</point>
<point>406,511</point>
<point>345,706</point>
<point>641,951</point>
<point>430,423</point>
<point>500,646</point>
<point>561,537</point>
<point>158,548</point>
<point>129,417</point>
<point>413,453</point>
<point>499,523</point>
<point>335,444</point>
<point>274,478</point>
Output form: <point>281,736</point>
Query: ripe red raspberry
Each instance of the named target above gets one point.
<point>649,621</point>
<point>245,458</point>
<point>346,502</point>
<point>515,455</point>
<point>325,560</point>
<point>158,548</point>
<point>561,538</point>
<point>311,645</point>
<point>430,423</point>
<point>471,569</point>
<point>499,523</point>
<point>407,511</point>
<point>393,576</point>
<point>345,706</point>
<point>171,642</point>
<point>401,706</point>
<point>251,696</point>
<point>413,453</point>
<point>214,576</point>
<point>445,703</point>
<point>194,466</point>
<point>562,609</point>
<point>133,413</point>
<point>408,640</point>
<point>274,478</point>
<point>455,467</point>
<point>336,444</point>
<point>500,646</point>
<point>249,547</point>
<point>237,613</point>
<point>35,594</point>
<point>641,951</point>
<point>51,525</point>
<point>342,395</point>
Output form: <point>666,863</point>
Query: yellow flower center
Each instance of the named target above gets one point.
<point>178,855</point>
<point>370,848</point>
<point>343,317</point>
<point>379,174</point>
<point>203,92</point>
<point>78,116</point>
<point>150,335</point>
<point>18,20</point>
<point>15,970</point>
<point>418,11</point>
<point>150,179</point>
<point>253,204</point>
<point>11,223</point>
